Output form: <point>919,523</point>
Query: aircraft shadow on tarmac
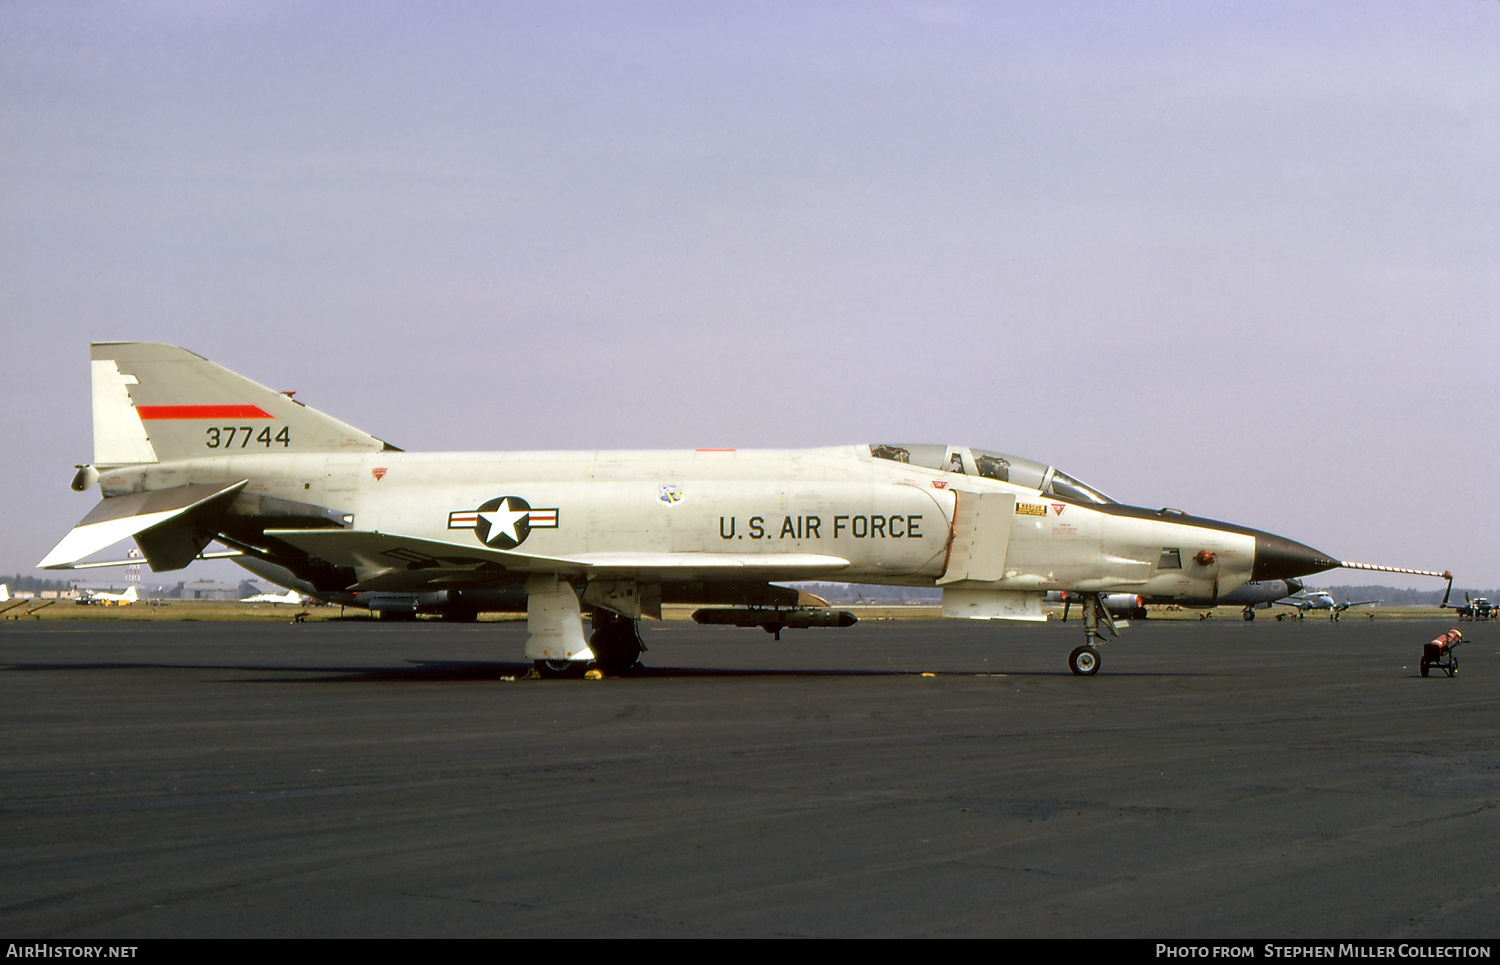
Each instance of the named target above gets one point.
<point>463,671</point>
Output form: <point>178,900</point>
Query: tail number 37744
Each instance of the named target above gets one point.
<point>224,437</point>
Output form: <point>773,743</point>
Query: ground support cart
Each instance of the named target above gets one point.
<point>1439,653</point>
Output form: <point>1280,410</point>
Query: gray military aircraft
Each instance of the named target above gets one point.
<point>1252,596</point>
<point>187,452</point>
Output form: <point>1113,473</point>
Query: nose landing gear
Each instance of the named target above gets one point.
<point>1084,661</point>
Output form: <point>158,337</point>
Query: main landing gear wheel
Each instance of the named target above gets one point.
<point>561,669</point>
<point>1084,662</point>
<point>616,642</point>
<point>617,668</point>
<point>1249,615</point>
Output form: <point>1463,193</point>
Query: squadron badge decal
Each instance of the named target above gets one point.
<point>505,522</point>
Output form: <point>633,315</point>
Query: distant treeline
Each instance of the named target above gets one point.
<point>24,584</point>
<point>1391,596</point>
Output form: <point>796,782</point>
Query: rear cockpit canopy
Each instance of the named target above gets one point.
<point>993,465</point>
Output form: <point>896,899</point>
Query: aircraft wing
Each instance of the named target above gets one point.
<point>121,517</point>
<point>387,561</point>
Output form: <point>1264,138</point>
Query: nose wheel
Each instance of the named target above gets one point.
<point>1084,662</point>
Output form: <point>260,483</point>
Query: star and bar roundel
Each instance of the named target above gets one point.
<point>503,522</point>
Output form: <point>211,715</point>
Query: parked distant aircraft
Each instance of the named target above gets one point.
<point>10,604</point>
<point>187,452</point>
<point>102,598</point>
<point>1319,600</point>
<point>1476,609</point>
<point>290,596</point>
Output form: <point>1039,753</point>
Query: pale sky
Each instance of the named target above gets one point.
<point>1236,258</point>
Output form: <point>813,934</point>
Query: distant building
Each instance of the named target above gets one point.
<point>206,590</point>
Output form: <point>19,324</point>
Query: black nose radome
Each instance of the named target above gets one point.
<point>1278,558</point>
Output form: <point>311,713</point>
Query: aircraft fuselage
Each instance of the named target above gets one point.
<point>891,522</point>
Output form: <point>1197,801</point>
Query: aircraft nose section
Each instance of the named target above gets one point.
<point>1278,558</point>
<point>1293,586</point>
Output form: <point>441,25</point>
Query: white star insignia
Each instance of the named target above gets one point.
<point>504,520</point>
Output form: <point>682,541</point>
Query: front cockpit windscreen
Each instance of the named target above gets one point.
<point>1063,485</point>
<point>992,465</point>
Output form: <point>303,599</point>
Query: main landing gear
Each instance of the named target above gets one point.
<point>555,642</point>
<point>616,642</point>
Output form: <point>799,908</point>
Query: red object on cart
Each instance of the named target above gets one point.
<point>1439,653</point>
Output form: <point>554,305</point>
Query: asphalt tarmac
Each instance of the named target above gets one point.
<point>1215,780</point>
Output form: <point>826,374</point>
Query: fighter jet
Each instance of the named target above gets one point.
<point>187,452</point>
<point>275,599</point>
<point>1252,596</point>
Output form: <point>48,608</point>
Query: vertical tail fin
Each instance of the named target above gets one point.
<point>159,403</point>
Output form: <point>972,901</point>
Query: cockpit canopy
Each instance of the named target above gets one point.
<point>993,465</point>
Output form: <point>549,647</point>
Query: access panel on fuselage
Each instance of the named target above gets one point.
<point>981,537</point>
